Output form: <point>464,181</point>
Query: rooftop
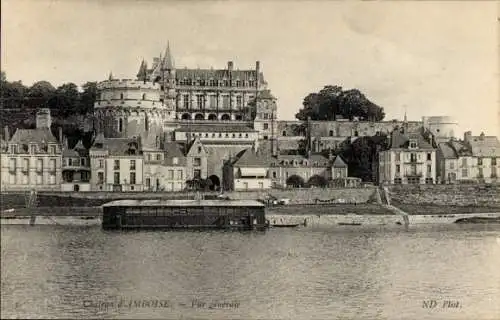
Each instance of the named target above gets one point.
<point>184,203</point>
<point>38,136</point>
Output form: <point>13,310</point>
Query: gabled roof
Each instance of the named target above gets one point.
<point>454,149</point>
<point>38,136</point>
<point>339,163</point>
<point>173,150</point>
<point>195,144</point>
<point>248,158</point>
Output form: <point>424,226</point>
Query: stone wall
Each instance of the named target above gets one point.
<point>457,195</point>
<point>302,196</point>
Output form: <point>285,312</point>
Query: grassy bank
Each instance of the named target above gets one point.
<point>421,209</point>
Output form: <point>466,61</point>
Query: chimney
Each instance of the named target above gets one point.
<point>6,133</point>
<point>257,67</point>
<point>257,73</point>
<point>467,136</point>
<point>43,119</point>
<point>230,65</point>
<point>60,135</point>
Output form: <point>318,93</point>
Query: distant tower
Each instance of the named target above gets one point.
<point>168,80</point>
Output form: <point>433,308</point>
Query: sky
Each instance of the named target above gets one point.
<point>429,58</point>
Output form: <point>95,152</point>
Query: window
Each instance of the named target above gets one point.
<point>33,148</point>
<point>52,164</point>
<point>464,162</point>
<point>39,165</point>
<point>158,157</point>
<point>132,178</point>
<point>429,180</point>
<point>52,149</point>
<point>493,172</point>
<point>452,165</point>
<point>13,148</point>
<point>283,133</point>
<point>100,177</point>
<point>480,172</point>
<point>429,156</point>
<point>175,160</point>
<point>170,174</point>
<point>197,162</point>
<point>12,164</point>
<point>199,149</point>
<point>398,168</point>
<point>479,161</point>
<point>251,83</point>
<point>429,168</point>
<point>185,99</point>
<point>39,178</point>
<point>398,156</point>
<point>238,83</point>
<point>101,163</point>
<point>261,185</point>
<point>413,157</point>
<point>413,144</point>
<point>266,137</point>
<point>464,172</point>
<point>70,162</point>
<point>143,96</point>
<point>121,96</point>
<point>196,173</point>
<point>116,165</point>
<point>179,175</point>
<point>149,157</point>
<point>275,175</point>
<point>52,178</point>
<point>148,183</point>
<point>330,133</point>
<point>266,126</point>
<point>120,125</point>
<point>116,178</point>
<point>200,100</point>
<point>246,135</point>
<point>493,161</point>
<point>266,116</point>
<point>82,162</point>
<point>132,164</point>
<point>239,101</point>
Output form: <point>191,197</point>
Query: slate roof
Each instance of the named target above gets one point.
<point>220,127</point>
<point>39,136</point>
<point>173,150</point>
<point>217,74</point>
<point>454,149</point>
<point>402,141</point>
<point>485,146</point>
<point>339,163</point>
<point>118,146</point>
<point>248,158</point>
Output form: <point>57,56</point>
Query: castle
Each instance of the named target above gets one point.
<point>226,110</point>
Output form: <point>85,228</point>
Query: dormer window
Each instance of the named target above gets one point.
<point>52,149</point>
<point>413,144</point>
<point>199,149</point>
<point>13,148</point>
<point>175,160</point>
<point>33,148</point>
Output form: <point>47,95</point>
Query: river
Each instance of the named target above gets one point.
<point>425,272</point>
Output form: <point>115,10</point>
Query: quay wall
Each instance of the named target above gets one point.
<point>446,195</point>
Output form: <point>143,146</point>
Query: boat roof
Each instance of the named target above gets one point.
<point>183,203</point>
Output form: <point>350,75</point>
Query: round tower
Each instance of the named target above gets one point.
<point>126,108</point>
<point>442,127</point>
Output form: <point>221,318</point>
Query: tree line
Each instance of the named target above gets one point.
<point>333,101</point>
<point>63,100</point>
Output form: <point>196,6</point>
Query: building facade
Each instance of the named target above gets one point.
<point>76,169</point>
<point>116,165</point>
<point>31,159</point>
<point>475,159</point>
<point>411,159</point>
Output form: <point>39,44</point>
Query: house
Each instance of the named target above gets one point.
<point>116,164</point>
<point>75,168</point>
<point>31,158</point>
<point>164,165</point>
<point>410,159</point>
<point>471,160</point>
<point>247,171</point>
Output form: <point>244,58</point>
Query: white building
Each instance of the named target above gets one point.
<point>411,159</point>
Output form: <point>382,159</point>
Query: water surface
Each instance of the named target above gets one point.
<point>324,273</point>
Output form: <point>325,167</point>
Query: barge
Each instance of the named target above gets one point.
<point>184,214</point>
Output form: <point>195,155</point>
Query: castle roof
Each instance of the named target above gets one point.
<point>168,60</point>
<point>402,141</point>
<point>250,158</point>
<point>339,163</point>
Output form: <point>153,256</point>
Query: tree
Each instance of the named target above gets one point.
<point>362,156</point>
<point>40,93</point>
<point>295,181</point>
<point>88,97</point>
<point>317,181</point>
<point>66,100</point>
<point>332,101</point>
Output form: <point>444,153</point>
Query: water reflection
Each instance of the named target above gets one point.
<point>358,273</point>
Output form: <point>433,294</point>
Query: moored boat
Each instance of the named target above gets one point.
<point>184,214</point>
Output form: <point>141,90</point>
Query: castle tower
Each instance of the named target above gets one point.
<point>265,115</point>
<point>127,108</point>
<point>168,80</point>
